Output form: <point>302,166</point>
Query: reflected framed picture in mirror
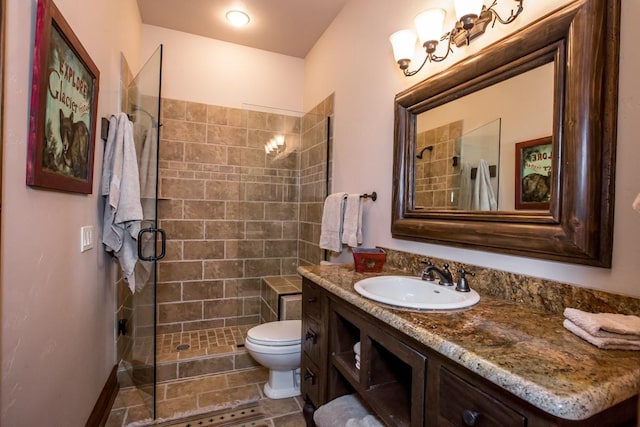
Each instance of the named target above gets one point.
<point>533,174</point>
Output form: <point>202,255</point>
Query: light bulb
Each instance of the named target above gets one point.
<point>237,18</point>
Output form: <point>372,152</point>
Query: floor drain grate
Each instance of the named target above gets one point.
<point>183,347</point>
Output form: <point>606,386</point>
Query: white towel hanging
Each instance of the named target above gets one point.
<point>332,222</point>
<point>121,188</point>
<point>352,229</point>
<point>484,198</point>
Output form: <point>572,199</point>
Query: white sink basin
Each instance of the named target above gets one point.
<point>413,292</point>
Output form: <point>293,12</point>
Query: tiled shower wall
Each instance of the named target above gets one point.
<point>315,167</point>
<point>230,211</point>
<point>437,179</point>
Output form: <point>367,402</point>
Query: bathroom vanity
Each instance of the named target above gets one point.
<point>495,364</point>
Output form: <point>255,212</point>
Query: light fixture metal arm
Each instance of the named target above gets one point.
<point>430,48</point>
<point>466,29</point>
<point>512,16</point>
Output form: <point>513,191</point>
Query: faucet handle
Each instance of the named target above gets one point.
<point>463,283</point>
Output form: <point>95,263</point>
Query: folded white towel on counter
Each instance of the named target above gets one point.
<point>606,325</point>
<point>352,232</point>
<point>600,342</point>
<point>332,222</point>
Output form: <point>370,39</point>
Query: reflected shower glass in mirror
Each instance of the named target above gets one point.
<point>453,138</point>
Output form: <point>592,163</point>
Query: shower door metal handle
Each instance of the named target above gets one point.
<point>163,244</point>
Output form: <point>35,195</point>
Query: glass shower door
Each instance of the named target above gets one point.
<point>143,96</point>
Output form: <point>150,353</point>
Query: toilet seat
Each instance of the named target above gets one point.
<point>276,334</point>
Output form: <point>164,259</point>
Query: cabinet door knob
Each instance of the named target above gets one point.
<point>312,299</point>
<point>311,336</point>
<point>470,417</point>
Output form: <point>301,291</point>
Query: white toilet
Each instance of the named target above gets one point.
<point>276,345</point>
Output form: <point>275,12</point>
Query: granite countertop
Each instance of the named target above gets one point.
<point>525,351</point>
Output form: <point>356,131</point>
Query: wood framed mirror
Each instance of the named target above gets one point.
<point>580,44</point>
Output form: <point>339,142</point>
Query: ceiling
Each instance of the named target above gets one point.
<point>289,27</point>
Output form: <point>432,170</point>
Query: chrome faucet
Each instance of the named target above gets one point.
<point>445,276</point>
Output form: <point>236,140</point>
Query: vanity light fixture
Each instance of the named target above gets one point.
<point>472,20</point>
<point>237,18</point>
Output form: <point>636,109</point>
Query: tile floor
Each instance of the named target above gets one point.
<point>208,392</point>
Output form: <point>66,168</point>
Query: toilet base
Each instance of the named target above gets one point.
<point>283,384</point>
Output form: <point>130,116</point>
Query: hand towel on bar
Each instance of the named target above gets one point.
<point>121,188</point>
<point>352,226</point>
<point>332,217</point>
<point>606,325</point>
<point>600,342</point>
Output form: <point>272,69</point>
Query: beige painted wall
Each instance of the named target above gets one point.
<point>354,60</point>
<point>57,303</point>
<point>199,69</point>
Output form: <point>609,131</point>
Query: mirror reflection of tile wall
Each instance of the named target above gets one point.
<point>437,180</point>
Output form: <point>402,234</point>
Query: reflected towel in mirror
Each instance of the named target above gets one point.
<point>484,198</point>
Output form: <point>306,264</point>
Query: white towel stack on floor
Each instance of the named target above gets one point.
<point>345,411</point>
<point>609,331</point>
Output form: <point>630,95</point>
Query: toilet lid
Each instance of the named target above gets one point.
<point>284,332</point>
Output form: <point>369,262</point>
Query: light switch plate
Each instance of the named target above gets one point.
<point>86,238</point>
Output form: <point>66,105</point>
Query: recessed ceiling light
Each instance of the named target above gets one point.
<point>237,18</point>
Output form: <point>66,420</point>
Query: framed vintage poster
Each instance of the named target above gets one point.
<point>533,174</point>
<point>64,99</point>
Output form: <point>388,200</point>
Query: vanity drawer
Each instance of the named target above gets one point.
<point>462,404</point>
<point>310,381</point>
<point>311,302</point>
<point>311,338</point>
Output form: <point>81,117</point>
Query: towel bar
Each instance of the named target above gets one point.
<point>373,196</point>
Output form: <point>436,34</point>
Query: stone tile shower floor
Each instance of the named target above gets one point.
<point>199,343</point>
<point>201,394</point>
